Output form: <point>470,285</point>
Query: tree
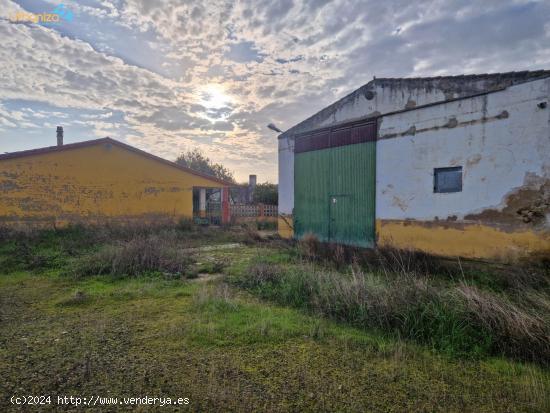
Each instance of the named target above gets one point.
<point>266,193</point>
<point>197,161</point>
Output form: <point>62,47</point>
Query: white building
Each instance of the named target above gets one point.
<point>462,166</point>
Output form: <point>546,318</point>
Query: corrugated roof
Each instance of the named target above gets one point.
<point>471,85</point>
<point>93,142</point>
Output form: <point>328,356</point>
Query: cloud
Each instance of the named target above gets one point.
<point>148,63</point>
<point>292,59</point>
<point>219,126</point>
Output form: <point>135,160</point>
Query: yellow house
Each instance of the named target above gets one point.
<point>98,181</point>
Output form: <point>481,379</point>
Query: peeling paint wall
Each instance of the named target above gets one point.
<point>380,96</point>
<point>95,183</point>
<point>502,142</point>
<point>377,97</point>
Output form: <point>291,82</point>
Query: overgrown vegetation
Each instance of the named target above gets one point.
<point>415,297</point>
<point>138,256</point>
<point>121,250</point>
<point>146,309</point>
<point>226,351</point>
<point>266,225</point>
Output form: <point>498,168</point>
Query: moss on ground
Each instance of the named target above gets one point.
<point>228,351</point>
<point>221,347</point>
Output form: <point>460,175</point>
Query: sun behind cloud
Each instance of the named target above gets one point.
<point>214,96</point>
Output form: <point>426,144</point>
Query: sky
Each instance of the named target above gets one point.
<point>170,76</point>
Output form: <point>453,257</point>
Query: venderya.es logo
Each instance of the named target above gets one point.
<point>56,16</point>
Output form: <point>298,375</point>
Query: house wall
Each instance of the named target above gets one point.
<point>94,183</point>
<point>502,142</point>
<point>376,97</point>
<point>286,187</point>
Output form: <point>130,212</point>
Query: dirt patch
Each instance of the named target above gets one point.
<point>203,278</point>
<point>228,246</point>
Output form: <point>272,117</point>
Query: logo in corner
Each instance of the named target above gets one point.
<point>60,13</point>
<point>63,12</point>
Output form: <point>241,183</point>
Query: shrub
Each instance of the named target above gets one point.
<point>459,320</point>
<point>260,274</point>
<point>266,225</point>
<point>385,259</point>
<point>405,261</point>
<point>516,332</point>
<point>21,254</point>
<point>309,246</point>
<point>134,257</point>
<point>251,236</point>
<point>185,225</point>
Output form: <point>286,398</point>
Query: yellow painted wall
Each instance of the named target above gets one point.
<point>461,239</point>
<point>94,183</point>
<point>453,239</point>
<point>284,225</point>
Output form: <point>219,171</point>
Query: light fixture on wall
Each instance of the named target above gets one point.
<point>274,128</point>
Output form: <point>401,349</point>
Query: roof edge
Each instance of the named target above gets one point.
<point>84,144</point>
<point>371,118</point>
<point>523,77</point>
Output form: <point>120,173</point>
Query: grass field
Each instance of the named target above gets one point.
<point>187,321</point>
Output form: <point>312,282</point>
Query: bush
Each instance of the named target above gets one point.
<point>84,249</point>
<point>134,257</point>
<point>266,225</point>
<point>386,259</point>
<point>310,247</point>
<point>185,225</point>
<point>516,331</point>
<point>458,320</point>
<point>251,236</point>
<point>406,261</point>
<point>261,273</point>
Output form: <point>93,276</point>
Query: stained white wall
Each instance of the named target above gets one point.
<point>386,99</point>
<point>497,155</point>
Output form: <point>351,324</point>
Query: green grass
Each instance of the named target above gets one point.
<point>227,349</point>
<point>457,317</point>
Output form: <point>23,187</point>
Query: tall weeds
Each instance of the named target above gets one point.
<point>115,248</point>
<point>456,318</point>
<point>137,256</point>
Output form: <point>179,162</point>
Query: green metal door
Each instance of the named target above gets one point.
<point>334,194</point>
<point>311,194</point>
<point>339,226</point>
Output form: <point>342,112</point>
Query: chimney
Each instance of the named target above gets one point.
<point>251,187</point>
<point>60,136</point>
